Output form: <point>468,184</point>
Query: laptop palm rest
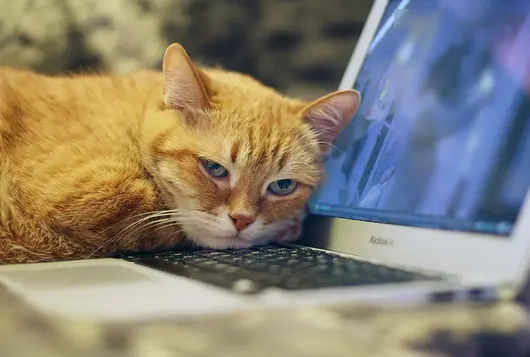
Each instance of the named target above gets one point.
<point>110,289</point>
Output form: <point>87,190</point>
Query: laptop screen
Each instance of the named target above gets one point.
<point>442,137</point>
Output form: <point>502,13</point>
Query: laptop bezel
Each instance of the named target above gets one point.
<point>471,256</point>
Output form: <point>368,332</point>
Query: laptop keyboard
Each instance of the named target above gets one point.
<point>273,266</point>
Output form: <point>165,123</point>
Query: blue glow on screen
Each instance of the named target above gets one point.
<point>442,137</point>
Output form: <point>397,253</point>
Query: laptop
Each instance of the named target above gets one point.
<point>426,197</point>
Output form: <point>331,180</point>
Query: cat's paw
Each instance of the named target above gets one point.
<point>294,230</point>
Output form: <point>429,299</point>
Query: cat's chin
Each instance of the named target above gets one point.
<point>222,242</point>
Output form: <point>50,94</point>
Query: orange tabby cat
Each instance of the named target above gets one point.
<point>93,165</point>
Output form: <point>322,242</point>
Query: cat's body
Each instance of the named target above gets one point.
<point>92,165</point>
<point>70,168</point>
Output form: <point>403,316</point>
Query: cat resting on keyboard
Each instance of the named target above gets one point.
<point>94,165</point>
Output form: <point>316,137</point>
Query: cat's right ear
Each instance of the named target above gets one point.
<point>184,86</point>
<point>329,115</point>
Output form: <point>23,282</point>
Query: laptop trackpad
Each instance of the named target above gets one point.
<point>111,290</point>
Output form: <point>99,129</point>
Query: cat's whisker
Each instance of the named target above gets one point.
<point>116,236</point>
<point>150,215</point>
<point>143,214</point>
<point>104,245</point>
<point>177,220</point>
<point>121,232</point>
<point>143,227</point>
<point>120,222</point>
<point>154,223</point>
<point>139,221</point>
<point>167,225</point>
<point>332,146</point>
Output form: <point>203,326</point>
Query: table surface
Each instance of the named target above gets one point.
<point>501,329</point>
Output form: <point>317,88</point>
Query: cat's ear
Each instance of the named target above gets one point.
<point>185,85</point>
<point>329,115</point>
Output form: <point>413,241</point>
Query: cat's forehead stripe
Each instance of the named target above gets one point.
<point>267,146</point>
<point>276,148</point>
<point>251,143</point>
<point>234,151</point>
<point>283,159</point>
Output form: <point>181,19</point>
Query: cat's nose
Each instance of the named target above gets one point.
<point>242,221</point>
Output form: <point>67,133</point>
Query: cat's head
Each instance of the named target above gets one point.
<point>235,160</point>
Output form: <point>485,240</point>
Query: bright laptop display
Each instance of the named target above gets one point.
<point>442,138</point>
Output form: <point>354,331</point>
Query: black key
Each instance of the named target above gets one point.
<point>215,255</point>
<point>178,269</point>
<point>275,269</point>
<point>220,266</point>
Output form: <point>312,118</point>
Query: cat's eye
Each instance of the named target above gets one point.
<point>215,169</point>
<point>282,187</point>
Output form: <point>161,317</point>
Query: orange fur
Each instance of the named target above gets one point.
<point>94,165</point>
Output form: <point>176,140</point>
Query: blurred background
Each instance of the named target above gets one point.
<point>300,47</point>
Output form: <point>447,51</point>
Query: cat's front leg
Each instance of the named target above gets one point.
<point>109,214</point>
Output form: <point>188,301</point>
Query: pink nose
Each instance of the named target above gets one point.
<point>242,221</point>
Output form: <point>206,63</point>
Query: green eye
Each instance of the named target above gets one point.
<point>215,169</point>
<point>282,187</point>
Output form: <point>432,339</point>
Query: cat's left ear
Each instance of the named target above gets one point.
<point>185,85</point>
<point>329,115</point>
